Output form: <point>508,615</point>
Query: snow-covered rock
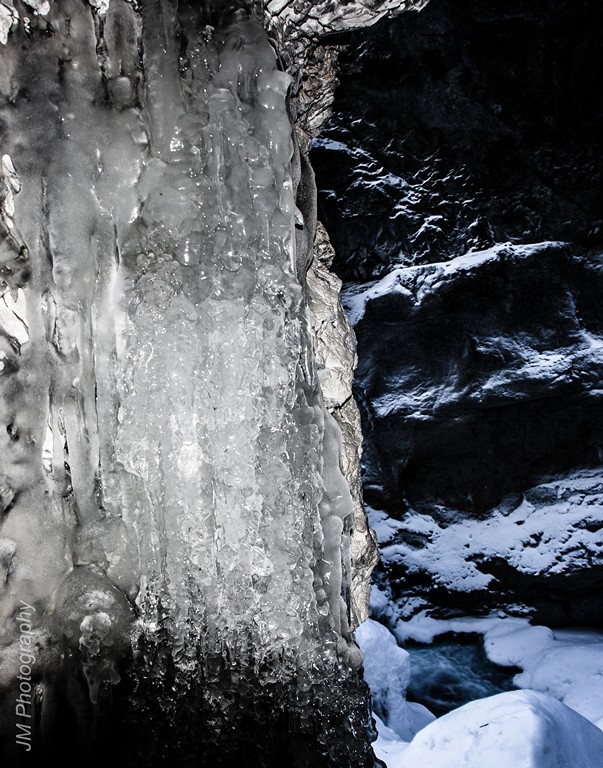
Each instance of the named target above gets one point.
<point>554,531</point>
<point>565,663</point>
<point>483,414</point>
<point>524,729</point>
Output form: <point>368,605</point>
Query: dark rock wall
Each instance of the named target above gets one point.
<point>473,127</point>
<point>467,124</point>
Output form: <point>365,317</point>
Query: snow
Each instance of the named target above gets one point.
<point>519,728</point>
<point>388,746</point>
<point>387,672</point>
<point>13,316</point>
<point>545,725</point>
<point>566,664</point>
<point>39,6</point>
<point>557,526</point>
<point>102,6</point>
<point>419,281</point>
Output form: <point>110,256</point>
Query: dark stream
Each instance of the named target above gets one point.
<point>454,670</point>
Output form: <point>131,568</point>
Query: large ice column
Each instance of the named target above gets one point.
<point>174,512</point>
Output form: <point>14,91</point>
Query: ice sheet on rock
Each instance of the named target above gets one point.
<point>219,435</point>
<point>522,728</point>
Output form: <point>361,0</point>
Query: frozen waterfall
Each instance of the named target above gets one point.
<point>175,525</point>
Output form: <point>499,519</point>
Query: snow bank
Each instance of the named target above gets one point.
<point>566,664</point>
<point>388,747</point>
<point>520,728</point>
<point>387,672</point>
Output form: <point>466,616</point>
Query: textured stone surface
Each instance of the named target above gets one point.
<point>327,17</point>
<point>475,128</point>
<point>335,349</point>
<point>308,38</point>
<point>480,375</point>
<point>462,126</point>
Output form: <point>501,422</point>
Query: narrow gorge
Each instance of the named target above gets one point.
<point>272,273</point>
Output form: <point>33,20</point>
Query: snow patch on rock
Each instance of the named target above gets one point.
<point>558,526</point>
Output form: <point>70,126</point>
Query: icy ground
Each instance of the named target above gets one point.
<point>545,725</point>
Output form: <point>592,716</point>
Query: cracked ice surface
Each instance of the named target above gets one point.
<point>169,469</point>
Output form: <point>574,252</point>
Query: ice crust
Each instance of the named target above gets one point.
<point>170,474</point>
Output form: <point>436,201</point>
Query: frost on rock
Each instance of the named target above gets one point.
<point>173,503</point>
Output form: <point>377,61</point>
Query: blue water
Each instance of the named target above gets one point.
<point>454,670</point>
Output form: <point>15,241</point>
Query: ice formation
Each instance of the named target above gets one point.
<point>173,507</point>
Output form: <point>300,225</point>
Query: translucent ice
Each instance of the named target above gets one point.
<point>171,497</point>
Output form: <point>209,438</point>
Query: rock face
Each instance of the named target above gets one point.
<point>305,34</point>
<point>480,377</point>
<point>458,179</point>
<point>480,374</point>
<point>460,127</point>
